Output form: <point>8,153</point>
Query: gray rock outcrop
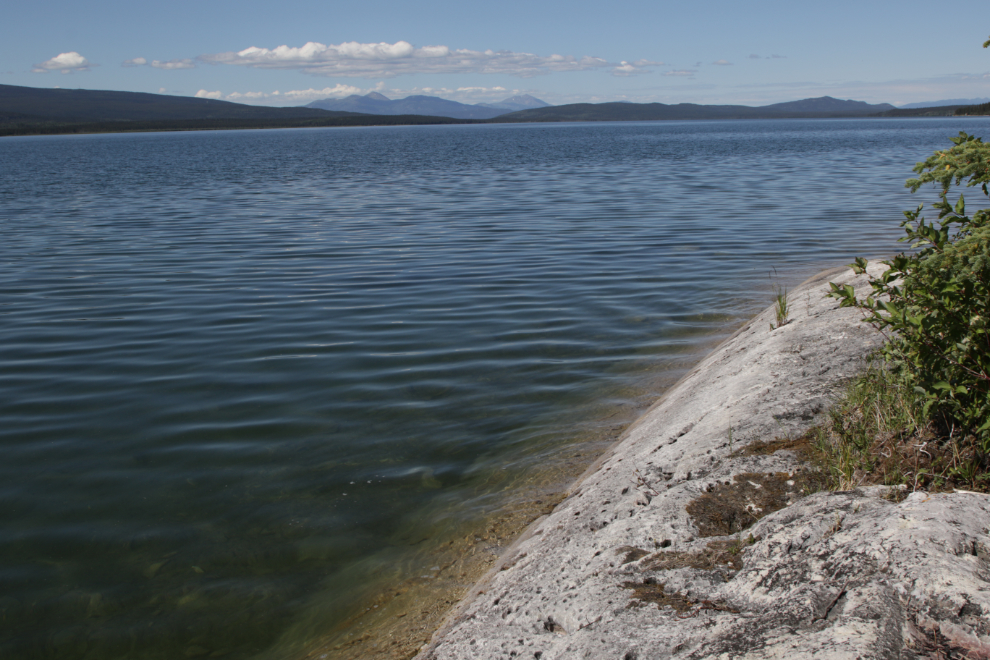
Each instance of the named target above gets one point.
<point>666,547</point>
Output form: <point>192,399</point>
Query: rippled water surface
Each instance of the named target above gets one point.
<point>257,386</point>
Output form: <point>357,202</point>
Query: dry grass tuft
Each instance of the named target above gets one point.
<point>874,436</point>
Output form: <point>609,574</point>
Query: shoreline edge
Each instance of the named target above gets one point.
<point>621,569</point>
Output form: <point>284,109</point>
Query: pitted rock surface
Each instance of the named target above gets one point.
<point>621,570</point>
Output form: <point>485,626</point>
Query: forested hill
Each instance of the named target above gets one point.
<point>823,107</point>
<point>35,111</point>
<point>84,105</point>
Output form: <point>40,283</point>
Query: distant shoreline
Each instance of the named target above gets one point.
<point>120,127</point>
<point>43,111</point>
<point>89,128</point>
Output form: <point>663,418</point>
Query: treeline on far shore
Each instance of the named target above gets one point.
<point>14,126</point>
<point>969,110</point>
<point>939,111</point>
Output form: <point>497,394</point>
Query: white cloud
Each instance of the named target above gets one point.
<point>383,60</point>
<point>70,62</point>
<point>233,96</point>
<point>173,64</point>
<point>722,63</point>
<point>337,91</point>
<point>630,69</point>
<point>295,96</point>
<point>159,64</point>
<point>681,73</point>
<point>483,90</point>
<point>298,95</point>
<point>417,91</point>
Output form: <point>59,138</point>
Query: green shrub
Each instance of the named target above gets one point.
<point>872,435</point>
<point>932,304</point>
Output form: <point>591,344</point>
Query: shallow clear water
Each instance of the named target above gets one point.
<point>249,379</point>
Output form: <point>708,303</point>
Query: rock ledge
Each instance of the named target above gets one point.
<point>622,570</point>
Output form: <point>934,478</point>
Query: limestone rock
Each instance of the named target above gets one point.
<point>622,569</point>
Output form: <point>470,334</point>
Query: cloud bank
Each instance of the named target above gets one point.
<point>173,64</point>
<point>71,62</point>
<point>292,96</point>
<point>384,60</point>
<point>158,64</point>
<point>634,68</point>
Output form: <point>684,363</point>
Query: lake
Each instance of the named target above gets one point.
<point>287,393</point>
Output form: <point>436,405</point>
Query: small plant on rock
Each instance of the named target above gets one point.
<point>780,308</point>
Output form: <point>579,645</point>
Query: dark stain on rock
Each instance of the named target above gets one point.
<point>632,554</point>
<point>732,507</point>
<point>650,591</point>
<point>717,554</point>
<point>801,446</point>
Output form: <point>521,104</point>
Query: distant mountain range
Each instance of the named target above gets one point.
<point>826,106</point>
<point>379,104</point>
<point>944,102</point>
<point>513,103</point>
<point>30,111</point>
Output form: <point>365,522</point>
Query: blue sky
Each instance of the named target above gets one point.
<point>744,52</point>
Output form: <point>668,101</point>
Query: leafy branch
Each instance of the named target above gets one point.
<point>933,304</point>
